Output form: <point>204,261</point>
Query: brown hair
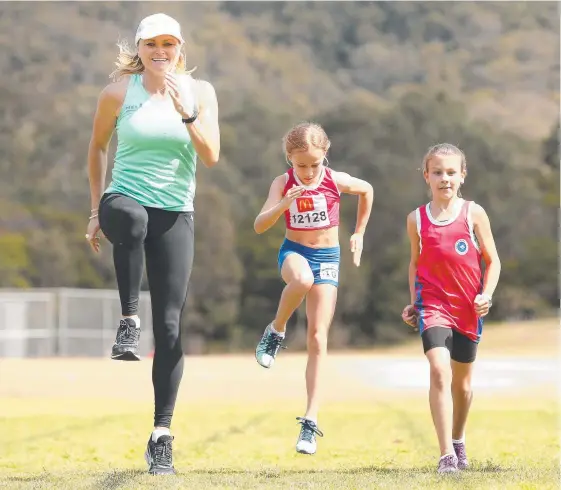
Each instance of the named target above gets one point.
<point>304,136</point>
<point>129,63</point>
<point>444,149</point>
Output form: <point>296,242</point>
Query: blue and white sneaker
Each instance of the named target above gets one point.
<point>307,439</point>
<point>268,346</point>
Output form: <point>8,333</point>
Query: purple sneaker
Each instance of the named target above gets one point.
<point>460,450</point>
<point>448,464</point>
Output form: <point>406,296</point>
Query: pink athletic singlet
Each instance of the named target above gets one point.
<point>449,274</point>
<point>318,206</point>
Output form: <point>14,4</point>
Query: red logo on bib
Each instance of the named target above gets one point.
<point>305,204</point>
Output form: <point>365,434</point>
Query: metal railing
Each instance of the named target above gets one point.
<point>65,322</point>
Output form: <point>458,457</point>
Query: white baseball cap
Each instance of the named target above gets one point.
<point>157,25</point>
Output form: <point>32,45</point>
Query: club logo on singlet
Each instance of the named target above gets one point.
<point>461,247</point>
<point>309,212</point>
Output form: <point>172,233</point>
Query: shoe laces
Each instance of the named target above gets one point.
<point>272,343</point>
<point>127,334</point>
<point>460,449</point>
<point>163,453</point>
<point>448,460</point>
<point>308,430</point>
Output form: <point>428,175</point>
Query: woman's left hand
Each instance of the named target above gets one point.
<point>179,97</point>
<point>356,247</point>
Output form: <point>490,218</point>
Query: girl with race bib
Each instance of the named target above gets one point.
<point>308,196</point>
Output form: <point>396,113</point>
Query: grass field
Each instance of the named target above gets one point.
<point>83,424</point>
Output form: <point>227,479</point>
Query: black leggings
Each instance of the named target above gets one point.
<point>167,240</point>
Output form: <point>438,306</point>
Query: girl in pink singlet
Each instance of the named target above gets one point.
<point>450,293</point>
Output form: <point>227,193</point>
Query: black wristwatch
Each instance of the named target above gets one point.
<point>191,119</point>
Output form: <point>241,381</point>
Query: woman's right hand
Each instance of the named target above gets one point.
<point>291,195</point>
<point>410,316</point>
<point>92,233</point>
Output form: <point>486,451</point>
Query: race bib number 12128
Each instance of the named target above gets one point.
<point>309,212</point>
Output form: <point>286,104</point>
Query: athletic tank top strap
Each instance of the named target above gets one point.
<point>134,98</point>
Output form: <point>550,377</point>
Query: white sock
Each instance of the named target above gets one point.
<point>459,441</point>
<point>274,331</point>
<point>160,432</point>
<point>135,318</point>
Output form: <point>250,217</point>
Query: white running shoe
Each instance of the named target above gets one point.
<point>307,439</point>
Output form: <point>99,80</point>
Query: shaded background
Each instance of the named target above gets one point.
<point>386,80</point>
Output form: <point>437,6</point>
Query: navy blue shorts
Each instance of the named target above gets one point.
<point>324,262</point>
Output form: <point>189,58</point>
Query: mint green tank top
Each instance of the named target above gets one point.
<point>155,161</point>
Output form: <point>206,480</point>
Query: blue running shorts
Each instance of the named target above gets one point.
<point>324,262</point>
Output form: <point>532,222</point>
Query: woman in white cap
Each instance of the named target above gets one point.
<point>165,120</point>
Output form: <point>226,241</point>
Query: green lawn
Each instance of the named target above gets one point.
<point>385,444</point>
<point>83,424</point>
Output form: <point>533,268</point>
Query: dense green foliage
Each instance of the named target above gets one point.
<point>387,80</point>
